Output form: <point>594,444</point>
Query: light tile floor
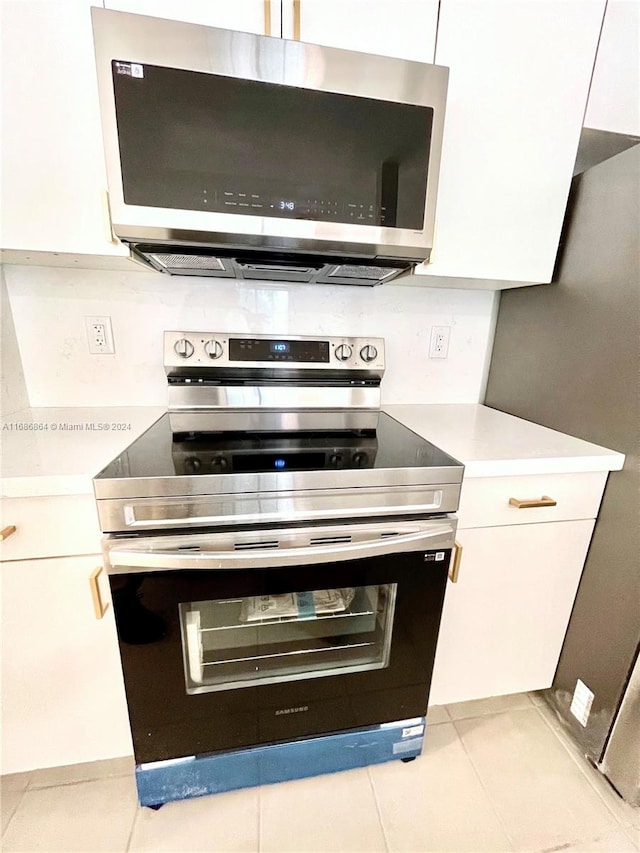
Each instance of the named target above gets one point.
<point>497,774</point>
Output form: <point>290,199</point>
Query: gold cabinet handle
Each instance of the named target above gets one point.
<point>545,500</point>
<point>7,531</point>
<point>99,607</point>
<point>454,568</point>
<point>267,17</point>
<point>296,20</point>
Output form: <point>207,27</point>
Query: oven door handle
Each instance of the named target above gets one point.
<point>126,559</point>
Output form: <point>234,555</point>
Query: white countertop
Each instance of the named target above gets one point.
<point>62,460</point>
<point>493,444</point>
<point>72,445</point>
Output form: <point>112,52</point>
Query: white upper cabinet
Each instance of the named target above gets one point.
<point>614,98</point>
<point>53,195</point>
<point>518,85</point>
<point>520,72</point>
<point>402,28</point>
<point>53,174</point>
<point>247,16</point>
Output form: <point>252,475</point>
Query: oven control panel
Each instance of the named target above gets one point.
<point>206,352</point>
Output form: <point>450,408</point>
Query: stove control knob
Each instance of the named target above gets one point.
<point>213,349</point>
<point>219,463</point>
<point>343,352</point>
<point>335,459</point>
<point>368,353</point>
<point>183,348</point>
<point>192,464</point>
<point>359,460</point>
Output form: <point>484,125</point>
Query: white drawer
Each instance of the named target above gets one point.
<point>49,527</point>
<point>484,501</point>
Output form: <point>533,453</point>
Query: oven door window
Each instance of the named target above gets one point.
<point>241,642</point>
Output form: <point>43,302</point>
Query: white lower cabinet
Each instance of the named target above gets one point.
<point>524,541</point>
<point>505,618</point>
<point>63,696</point>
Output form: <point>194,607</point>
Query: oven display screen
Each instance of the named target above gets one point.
<point>264,350</point>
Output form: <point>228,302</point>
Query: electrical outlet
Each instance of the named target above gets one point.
<point>99,335</point>
<point>439,346</point>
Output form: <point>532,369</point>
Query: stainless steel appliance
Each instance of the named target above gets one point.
<point>236,155</point>
<point>277,573</point>
<point>566,355</point>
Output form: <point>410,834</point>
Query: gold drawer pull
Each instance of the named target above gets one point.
<point>454,568</point>
<point>267,17</point>
<point>6,532</point>
<point>98,606</point>
<point>296,20</point>
<point>545,500</point>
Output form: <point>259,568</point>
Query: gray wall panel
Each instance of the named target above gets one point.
<point>567,355</point>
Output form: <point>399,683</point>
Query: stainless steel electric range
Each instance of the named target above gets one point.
<point>277,550</point>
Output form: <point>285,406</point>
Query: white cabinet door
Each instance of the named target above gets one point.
<point>245,15</point>
<point>63,696</point>
<point>49,526</point>
<point>504,621</point>
<point>614,97</point>
<point>518,85</point>
<point>53,174</point>
<point>53,194</point>
<point>402,28</point>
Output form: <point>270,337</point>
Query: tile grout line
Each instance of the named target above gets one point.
<point>75,782</point>
<point>480,780</point>
<point>584,767</point>
<point>133,824</point>
<point>379,813</point>
<point>15,809</point>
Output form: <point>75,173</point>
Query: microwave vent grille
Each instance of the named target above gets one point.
<point>358,271</point>
<point>192,262</point>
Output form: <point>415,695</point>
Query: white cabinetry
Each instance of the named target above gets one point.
<point>53,175</point>
<point>53,195</point>
<point>518,86</point>
<point>247,16</point>
<point>520,74</point>
<point>50,527</point>
<point>614,97</point>
<point>405,29</point>
<point>505,618</point>
<point>63,696</point>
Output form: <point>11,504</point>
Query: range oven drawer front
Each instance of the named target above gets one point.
<point>217,659</point>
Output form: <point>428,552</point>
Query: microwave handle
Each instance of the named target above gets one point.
<point>129,560</point>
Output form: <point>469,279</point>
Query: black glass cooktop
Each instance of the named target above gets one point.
<point>223,443</point>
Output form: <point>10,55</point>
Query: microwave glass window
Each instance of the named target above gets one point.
<point>194,141</point>
<point>242,642</point>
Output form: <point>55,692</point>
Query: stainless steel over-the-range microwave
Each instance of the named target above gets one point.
<point>243,156</point>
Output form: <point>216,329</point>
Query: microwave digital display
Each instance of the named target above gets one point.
<point>206,142</point>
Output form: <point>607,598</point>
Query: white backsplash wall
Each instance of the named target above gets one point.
<point>49,306</point>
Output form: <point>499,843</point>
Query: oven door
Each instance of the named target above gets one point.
<point>236,639</point>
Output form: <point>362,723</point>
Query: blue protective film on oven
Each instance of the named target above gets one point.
<point>165,781</point>
<point>306,607</point>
